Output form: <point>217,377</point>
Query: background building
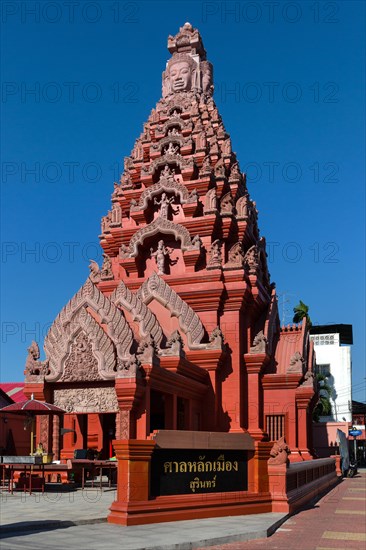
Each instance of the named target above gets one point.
<point>332,346</point>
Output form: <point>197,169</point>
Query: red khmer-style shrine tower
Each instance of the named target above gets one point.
<point>177,334</point>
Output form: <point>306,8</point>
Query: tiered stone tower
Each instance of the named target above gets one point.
<point>178,330</point>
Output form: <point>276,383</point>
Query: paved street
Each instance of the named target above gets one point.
<point>77,521</point>
<point>336,521</point>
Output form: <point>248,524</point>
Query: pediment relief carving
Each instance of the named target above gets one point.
<point>165,184</point>
<point>159,225</point>
<point>71,317</point>
<point>148,323</point>
<point>189,321</point>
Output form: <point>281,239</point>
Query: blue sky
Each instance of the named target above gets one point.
<point>289,83</point>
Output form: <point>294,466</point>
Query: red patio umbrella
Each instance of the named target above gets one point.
<point>32,407</point>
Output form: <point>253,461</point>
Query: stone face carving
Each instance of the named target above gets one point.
<point>260,343</point>
<point>74,316</point>
<point>215,261</point>
<point>85,400</point>
<point>235,257</point>
<point>148,323</point>
<point>106,272</point>
<point>188,69</point>
<point>296,363</point>
<point>161,256</point>
<point>181,74</point>
<point>279,452</point>
<point>190,323</point>
<point>34,367</point>
<point>81,363</point>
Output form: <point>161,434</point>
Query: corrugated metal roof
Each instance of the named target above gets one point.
<point>14,390</point>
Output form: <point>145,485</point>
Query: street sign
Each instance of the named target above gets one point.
<point>355,433</point>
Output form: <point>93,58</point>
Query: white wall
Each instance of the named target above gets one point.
<point>329,351</point>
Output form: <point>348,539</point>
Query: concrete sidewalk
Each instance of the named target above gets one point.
<point>336,521</point>
<point>77,520</point>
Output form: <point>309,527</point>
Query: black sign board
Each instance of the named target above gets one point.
<point>188,471</point>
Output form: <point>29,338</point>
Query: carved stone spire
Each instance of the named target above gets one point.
<point>187,69</point>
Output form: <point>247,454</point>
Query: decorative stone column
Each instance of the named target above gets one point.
<point>133,481</point>
<point>303,397</point>
<point>254,364</point>
<point>129,390</point>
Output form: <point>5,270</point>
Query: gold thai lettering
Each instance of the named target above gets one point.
<point>196,483</point>
<point>201,467</point>
<point>219,465</point>
<point>167,467</point>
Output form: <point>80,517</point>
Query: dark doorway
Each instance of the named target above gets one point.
<point>82,420</point>
<point>108,422</point>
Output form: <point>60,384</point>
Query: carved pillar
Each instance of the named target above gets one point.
<point>56,438</point>
<point>254,363</point>
<point>133,481</point>
<point>303,397</point>
<point>129,391</point>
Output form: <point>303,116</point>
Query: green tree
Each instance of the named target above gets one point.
<point>323,406</point>
<point>301,311</point>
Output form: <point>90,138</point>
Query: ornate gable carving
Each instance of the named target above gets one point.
<point>81,364</point>
<point>156,288</point>
<point>169,185</point>
<point>84,400</point>
<point>85,351</point>
<point>68,322</point>
<point>148,323</point>
<point>159,225</point>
